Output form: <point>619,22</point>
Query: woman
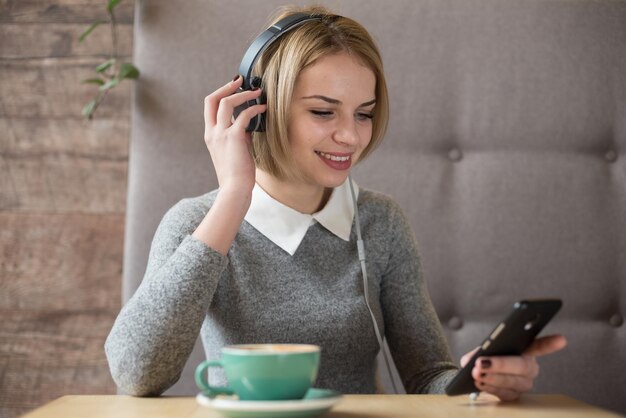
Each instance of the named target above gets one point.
<point>271,256</point>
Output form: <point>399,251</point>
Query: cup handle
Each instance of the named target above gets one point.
<point>202,380</point>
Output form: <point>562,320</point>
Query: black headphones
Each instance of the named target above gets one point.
<point>257,123</point>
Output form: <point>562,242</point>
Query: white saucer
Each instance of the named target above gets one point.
<point>316,402</point>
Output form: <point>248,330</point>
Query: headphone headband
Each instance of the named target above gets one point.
<point>266,39</point>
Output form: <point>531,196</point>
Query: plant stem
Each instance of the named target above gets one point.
<point>99,98</point>
<point>114,37</point>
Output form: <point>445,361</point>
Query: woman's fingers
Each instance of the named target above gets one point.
<point>507,384</point>
<point>524,365</point>
<point>243,120</point>
<point>227,140</point>
<point>512,372</point>
<point>546,345</point>
<point>466,358</point>
<point>227,106</point>
<point>507,377</point>
<point>503,393</point>
<point>212,101</point>
<point>219,107</point>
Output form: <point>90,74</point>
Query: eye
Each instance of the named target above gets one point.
<point>364,116</point>
<point>322,113</point>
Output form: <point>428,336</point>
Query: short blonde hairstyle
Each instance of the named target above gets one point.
<point>281,63</point>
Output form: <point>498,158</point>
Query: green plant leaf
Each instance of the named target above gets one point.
<point>97,81</point>
<point>90,29</point>
<point>89,108</point>
<point>110,84</point>
<point>105,65</point>
<point>128,71</point>
<point>112,4</point>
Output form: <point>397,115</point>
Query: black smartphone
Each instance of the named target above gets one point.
<point>511,337</point>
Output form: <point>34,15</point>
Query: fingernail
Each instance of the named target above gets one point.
<point>485,364</point>
<point>254,89</point>
<point>236,77</point>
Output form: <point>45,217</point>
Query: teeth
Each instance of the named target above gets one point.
<point>333,157</point>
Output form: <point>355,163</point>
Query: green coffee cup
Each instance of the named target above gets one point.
<point>264,372</point>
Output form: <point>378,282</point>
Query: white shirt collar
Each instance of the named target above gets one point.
<point>286,227</point>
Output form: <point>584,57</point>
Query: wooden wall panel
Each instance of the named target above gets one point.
<point>51,354</point>
<point>59,295</point>
<point>62,11</point>
<point>64,165</point>
<point>99,138</point>
<point>60,262</point>
<point>62,200</point>
<point>51,88</point>
<point>61,40</point>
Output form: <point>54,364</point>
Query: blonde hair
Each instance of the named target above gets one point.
<point>282,62</point>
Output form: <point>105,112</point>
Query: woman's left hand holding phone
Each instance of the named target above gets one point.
<point>229,146</point>
<point>508,377</point>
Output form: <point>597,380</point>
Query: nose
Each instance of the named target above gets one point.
<point>346,132</point>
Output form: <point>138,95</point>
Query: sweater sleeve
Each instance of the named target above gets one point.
<point>155,331</point>
<point>412,328</point>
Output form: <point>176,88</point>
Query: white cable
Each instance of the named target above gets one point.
<point>361,251</point>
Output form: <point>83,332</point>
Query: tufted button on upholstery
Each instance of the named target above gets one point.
<point>616,320</point>
<point>611,156</point>
<point>455,154</point>
<point>455,322</point>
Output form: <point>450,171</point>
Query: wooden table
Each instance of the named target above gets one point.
<point>351,406</point>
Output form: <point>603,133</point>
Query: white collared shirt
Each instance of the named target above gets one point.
<point>286,227</point>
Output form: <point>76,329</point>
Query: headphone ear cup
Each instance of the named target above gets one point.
<point>260,126</point>
<point>257,123</point>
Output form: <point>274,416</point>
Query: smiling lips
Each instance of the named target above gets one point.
<point>336,161</point>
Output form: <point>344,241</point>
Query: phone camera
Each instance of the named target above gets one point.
<point>530,324</point>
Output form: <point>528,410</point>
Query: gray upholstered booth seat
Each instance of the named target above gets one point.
<point>506,150</point>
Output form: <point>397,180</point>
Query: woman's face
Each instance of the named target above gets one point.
<point>330,121</point>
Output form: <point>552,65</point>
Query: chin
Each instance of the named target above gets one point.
<point>333,181</point>
<point>324,176</point>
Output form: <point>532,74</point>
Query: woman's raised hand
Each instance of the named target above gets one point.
<point>229,146</point>
<point>227,139</point>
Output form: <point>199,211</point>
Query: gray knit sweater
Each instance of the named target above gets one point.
<point>261,294</point>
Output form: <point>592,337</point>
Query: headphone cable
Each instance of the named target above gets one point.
<point>361,251</point>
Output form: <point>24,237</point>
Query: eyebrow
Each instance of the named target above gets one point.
<point>335,101</point>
